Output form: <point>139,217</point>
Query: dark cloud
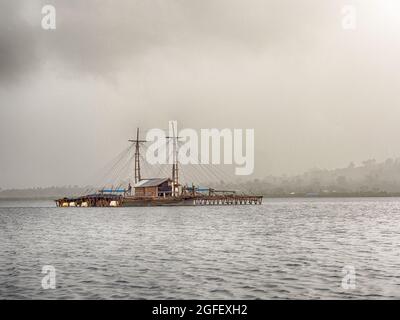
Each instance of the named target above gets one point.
<point>18,43</point>
<point>99,36</point>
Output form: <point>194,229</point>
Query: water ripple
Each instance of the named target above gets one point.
<point>284,249</point>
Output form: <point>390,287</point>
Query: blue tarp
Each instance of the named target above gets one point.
<point>199,189</point>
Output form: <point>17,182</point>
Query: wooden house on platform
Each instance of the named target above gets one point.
<point>156,187</point>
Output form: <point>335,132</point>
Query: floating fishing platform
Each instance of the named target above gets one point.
<point>99,200</point>
<point>159,191</point>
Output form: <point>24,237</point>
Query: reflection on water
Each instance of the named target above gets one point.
<point>285,248</point>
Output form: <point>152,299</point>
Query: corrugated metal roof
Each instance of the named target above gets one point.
<point>151,182</point>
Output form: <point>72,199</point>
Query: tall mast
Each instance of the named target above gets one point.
<point>137,142</point>
<point>137,158</point>
<point>175,176</point>
<point>175,170</point>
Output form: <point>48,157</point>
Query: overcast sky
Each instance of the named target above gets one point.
<point>316,94</point>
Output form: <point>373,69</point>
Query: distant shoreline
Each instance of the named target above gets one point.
<point>336,195</point>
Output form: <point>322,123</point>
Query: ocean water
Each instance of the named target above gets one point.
<point>283,249</point>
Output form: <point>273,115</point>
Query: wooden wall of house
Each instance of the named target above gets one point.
<point>146,191</point>
<point>165,187</point>
<point>151,191</point>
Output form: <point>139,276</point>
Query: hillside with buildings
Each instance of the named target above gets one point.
<point>371,178</point>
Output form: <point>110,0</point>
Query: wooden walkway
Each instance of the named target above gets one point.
<point>227,200</point>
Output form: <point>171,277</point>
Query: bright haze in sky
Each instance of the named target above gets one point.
<point>316,93</point>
